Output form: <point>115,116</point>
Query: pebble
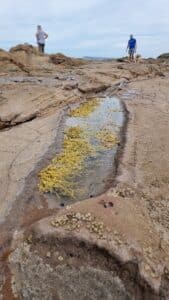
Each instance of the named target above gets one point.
<point>73,221</point>
<point>29,239</point>
<point>119,241</point>
<point>154,275</point>
<point>60,258</point>
<point>48,254</point>
<point>147,268</point>
<point>68,207</point>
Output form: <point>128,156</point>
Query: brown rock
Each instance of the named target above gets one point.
<point>93,87</point>
<point>8,118</point>
<point>29,49</point>
<point>60,58</point>
<point>70,86</point>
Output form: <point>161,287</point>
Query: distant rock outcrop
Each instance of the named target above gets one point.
<point>163,56</point>
<point>122,59</point>
<point>29,49</point>
<point>62,59</point>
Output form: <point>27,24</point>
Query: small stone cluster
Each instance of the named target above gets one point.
<point>74,221</point>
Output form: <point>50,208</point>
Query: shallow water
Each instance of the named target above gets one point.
<point>93,179</point>
<point>98,168</point>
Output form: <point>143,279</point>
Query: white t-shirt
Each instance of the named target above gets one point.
<point>41,36</point>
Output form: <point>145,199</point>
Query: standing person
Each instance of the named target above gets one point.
<point>41,36</point>
<point>132,47</point>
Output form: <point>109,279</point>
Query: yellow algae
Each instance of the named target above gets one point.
<point>57,176</point>
<point>86,108</point>
<point>107,138</point>
<point>79,143</point>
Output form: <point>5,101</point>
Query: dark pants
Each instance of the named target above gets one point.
<point>41,48</point>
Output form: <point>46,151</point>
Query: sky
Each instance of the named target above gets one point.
<point>87,27</point>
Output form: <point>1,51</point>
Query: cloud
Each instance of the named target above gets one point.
<point>88,27</point>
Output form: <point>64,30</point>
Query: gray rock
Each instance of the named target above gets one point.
<point>34,279</point>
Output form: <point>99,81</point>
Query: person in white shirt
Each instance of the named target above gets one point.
<point>41,36</point>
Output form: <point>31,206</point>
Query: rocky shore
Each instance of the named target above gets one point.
<point>114,245</point>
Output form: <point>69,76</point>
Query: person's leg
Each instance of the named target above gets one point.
<point>43,48</point>
<point>130,55</point>
<point>39,47</point>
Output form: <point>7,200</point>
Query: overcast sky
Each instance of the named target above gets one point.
<point>87,27</point>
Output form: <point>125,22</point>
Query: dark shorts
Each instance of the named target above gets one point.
<point>41,47</point>
<point>131,51</point>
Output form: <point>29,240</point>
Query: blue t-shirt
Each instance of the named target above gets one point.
<point>132,43</point>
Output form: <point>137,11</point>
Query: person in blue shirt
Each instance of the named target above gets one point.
<point>132,47</point>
